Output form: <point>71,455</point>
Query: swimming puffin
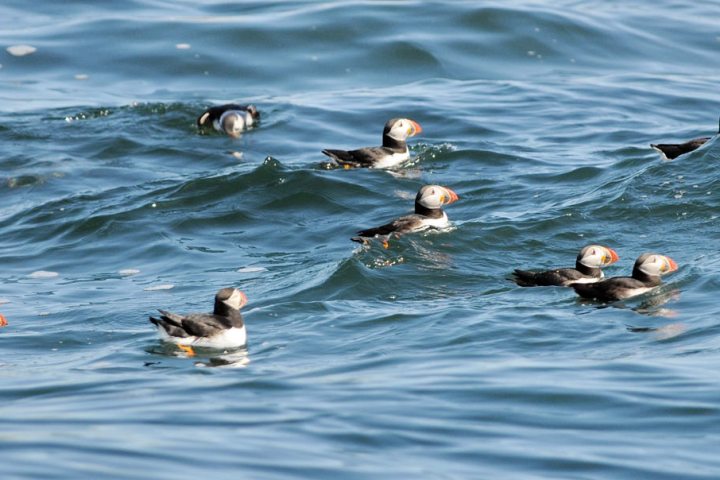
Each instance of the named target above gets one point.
<point>428,214</point>
<point>393,152</point>
<point>223,328</point>
<point>230,118</point>
<point>674,150</point>
<point>648,269</point>
<point>588,269</point>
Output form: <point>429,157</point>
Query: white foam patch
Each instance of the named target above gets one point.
<point>238,155</point>
<point>126,272</point>
<point>183,46</point>
<point>3,301</point>
<point>43,274</point>
<point>81,76</point>
<point>161,286</point>
<point>21,50</point>
<point>251,269</point>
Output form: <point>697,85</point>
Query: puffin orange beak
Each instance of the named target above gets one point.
<point>453,197</point>
<point>614,257</point>
<point>243,299</point>
<point>673,265</point>
<point>416,128</point>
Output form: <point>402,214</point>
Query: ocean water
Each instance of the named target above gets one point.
<point>418,361</point>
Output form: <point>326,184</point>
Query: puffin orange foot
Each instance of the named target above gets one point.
<point>187,349</point>
<point>386,244</point>
<point>347,167</point>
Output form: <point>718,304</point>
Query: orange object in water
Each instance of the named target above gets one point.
<point>187,349</point>
<point>3,320</point>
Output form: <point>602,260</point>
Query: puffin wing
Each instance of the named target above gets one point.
<point>362,157</point>
<point>558,277</point>
<point>170,323</point>
<point>611,289</point>
<point>205,324</point>
<point>409,223</point>
<point>193,325</point>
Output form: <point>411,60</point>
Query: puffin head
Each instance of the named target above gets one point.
<point>655,265</point>
<point>232,297</point>
<point>253,114</point>
<point>233,122</point>
<point>597,256</point>
<point>435,196</point>
<point>401,128</point>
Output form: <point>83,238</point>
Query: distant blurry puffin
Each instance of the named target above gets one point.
<point>224,328</point>
<point>674,150</point>
<point>230,118</point>
<point>428,214</point>
<point>588,269</point>
<point>648,269</point>
<point>393,152</point>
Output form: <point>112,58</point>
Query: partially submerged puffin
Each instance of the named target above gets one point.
<point>231,118</point>
<point>393,152</point>
<point>588,269</point>
<point>648,269</point>
<point>674,150</point>
<point>223,328</point>
<point>428,214</point>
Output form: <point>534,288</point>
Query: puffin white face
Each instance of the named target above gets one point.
<point>402,128</point>
<point>237,300</point>
<point>435,196</point>
<point>653,264</point>
<point>596,256</point>
<point>233,123</point>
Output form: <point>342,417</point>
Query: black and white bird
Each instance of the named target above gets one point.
<point>231,118</point>
<point>428,214</point>
<point>674,150</point>
<point>588,269</point>
<point>223,328</point>
<point>393,152</point>
<point>648,269</point>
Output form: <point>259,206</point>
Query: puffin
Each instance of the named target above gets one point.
<point>674,150</point>
<point>428,214</point>
<point>229,118</point>
<point>393,152</point>
<point>588,269</point>
<point>223,328</point>
<point>648,269</point>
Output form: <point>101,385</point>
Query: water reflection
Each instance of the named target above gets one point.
<point>202,357</point>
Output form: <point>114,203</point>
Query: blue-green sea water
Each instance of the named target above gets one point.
<point>418,361</point>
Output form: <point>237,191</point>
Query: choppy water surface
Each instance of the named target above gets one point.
<point>419,361</point>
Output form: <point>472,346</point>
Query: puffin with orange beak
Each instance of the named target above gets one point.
<point>648,269</point>
<point>223,328</point>
<point>588,269</point>
<point>428,214</point>
<point>393,152</point>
